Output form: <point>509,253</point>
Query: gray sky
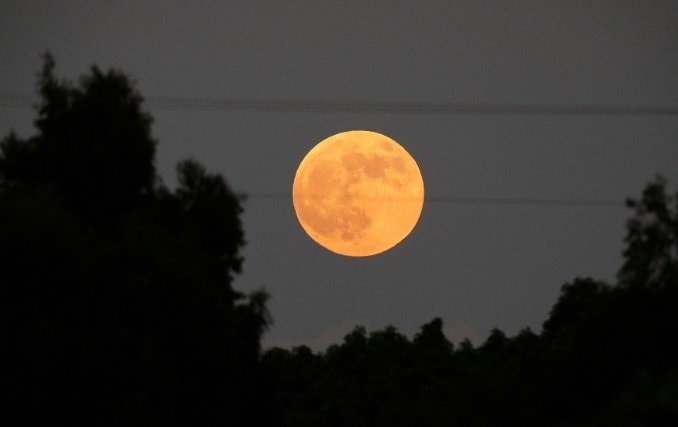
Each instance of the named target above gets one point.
<point>477,266</point>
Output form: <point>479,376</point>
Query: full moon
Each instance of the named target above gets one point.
<point>358,193</point>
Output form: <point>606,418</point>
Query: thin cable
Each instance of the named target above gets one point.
<point>526,201</point>
<point>169,103</point>
<point>504,201</point>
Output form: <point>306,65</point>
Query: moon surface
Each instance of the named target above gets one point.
<point>358,193</point>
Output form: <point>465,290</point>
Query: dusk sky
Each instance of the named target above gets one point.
<point>531,122</point>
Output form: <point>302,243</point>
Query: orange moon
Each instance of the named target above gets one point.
<point>358,193</point>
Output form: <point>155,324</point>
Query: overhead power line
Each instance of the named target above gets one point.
<point>18,101</point>
<point>170,103</point>
<point>504,201</point>
<point>527,201</point>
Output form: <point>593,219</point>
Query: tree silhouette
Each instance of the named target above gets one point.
<point>606,356</point>
<point>116,297</point>
<point>117,306</point>
<point>651,254</point>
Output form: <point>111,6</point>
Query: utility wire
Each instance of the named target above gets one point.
<point>167,103</point>
<point>526,201</point>
<point>170,103</point>
<point>515,201</point>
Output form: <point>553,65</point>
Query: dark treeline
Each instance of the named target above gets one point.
<point>606,356</point>
<point>117,306</point>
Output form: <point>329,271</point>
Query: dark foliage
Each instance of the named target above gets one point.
<point>606,356</point>
<point>116,302</point>
<point>117,306</point>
